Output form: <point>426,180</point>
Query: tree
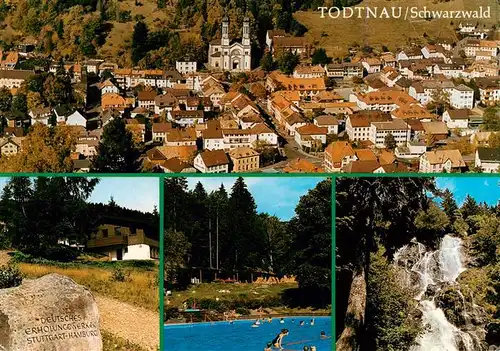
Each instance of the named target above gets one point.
<point>494,140</point>
<point>432,223</point>
<point>5,99</point>
<point>491,119</point>
<point>390,142</point>
<point>310,248</point>
<point>34,101</point>
<point>176,249</point>
<point>287,62</point>
<point>40,213</point>
<point>320,57</point>
<point>247,240</point>
<point>139,41</point>
<point>267,62</point>
<point>392,321</point>
<point>277,243</point>
<point>370,212</point>
<point>44,150</point>
<point>116,152</point>
<point>176,211</point>
<point>449,204</point>
<point>469,207</point>
<point>20,105</point>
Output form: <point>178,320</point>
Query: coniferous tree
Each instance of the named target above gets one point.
<point>40,213</point>
<point>449,204</point>
<point>116,152</point>
<point>469,207</point>
<point>198,234</point>
<point>139,41</point>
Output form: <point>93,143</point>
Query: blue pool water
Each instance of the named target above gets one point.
<point>223,336</point>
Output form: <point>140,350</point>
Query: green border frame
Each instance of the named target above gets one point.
<point>161,275</point>
<point>332,176</point>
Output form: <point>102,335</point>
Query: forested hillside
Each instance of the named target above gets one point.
<point>247,240</point>
<point>176,29</point>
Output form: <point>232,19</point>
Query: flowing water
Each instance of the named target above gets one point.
<point>431,272</point>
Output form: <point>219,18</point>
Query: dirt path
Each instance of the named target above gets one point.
<point>138,325</point>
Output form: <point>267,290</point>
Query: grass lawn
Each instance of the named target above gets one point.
<point>140,288</point>
<point>214,290</point>
<point>231,292</point>
<point>337,35</point>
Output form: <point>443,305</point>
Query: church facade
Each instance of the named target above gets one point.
<point>224,55</point>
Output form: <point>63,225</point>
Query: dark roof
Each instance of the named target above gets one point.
<point>459,114</point>
<point>213,158</point>
<point>489,154</point>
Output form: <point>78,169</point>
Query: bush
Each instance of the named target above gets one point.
<point>171,313</point>
<point>120,275</point>
<point>10,277</point>
<point>61,254</point>
<point>243,311</point>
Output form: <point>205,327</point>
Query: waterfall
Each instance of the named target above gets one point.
<point>431,272</point>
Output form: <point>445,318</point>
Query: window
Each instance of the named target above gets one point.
<point>117,231</point>
<point>104,233</point>
<point>133,230</point>
<point>125,250</point>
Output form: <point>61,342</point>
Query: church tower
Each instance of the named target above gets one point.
<point>246,31</point>
<point>225,31</point>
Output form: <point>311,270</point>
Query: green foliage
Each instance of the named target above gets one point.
<point>486,241</point>
<point>39,213</point>
<point>5,99</point>
<point>390,142</point>
<point>176,249</point>
<point>120,275</point>
<point>392,313</point>
<point>320,57</point>
<point>287,62</point>
<point>432,222</point>
<point>449,204</point>
<point>491,119</point>
<point>116,152</point>
<point>310,242</point>
<point>139,41</point>
<point>267,62</point>
<point>10,276</point>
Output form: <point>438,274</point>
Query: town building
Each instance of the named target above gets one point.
<point>125,239</point>
<point>244,159</point>
<point>488,159</point>
<point>227,56</point>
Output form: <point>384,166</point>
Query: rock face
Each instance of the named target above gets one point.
<point>51,313</point>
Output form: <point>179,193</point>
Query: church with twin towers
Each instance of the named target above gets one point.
<point>227,55</point>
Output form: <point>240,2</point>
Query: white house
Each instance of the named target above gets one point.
<point>456,118</point>
<point>309,135</point>
<point>108,87</point>
<point>488,159</point>
<point>413,149</point>
<point>329,122</point>
<point>212,161</point>
<point>439,161</point>
<point>186,118</point>
<point>462,97</point>
<point>76,119</point>
<point>265,134</point>
<point>397,127</point>
<point>184,67</point>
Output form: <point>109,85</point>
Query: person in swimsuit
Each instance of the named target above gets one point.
<point>301,323</point>
<point>255,325</point>
<point>282,321</point>
<point>268,347</point>
<point>312,321</point>
<point>278,340</point>
<point>306,348</point>
<point>323,335</point>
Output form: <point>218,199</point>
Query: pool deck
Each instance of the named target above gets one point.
<point>253,317</point>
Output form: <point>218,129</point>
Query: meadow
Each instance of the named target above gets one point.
<point>139,286</point>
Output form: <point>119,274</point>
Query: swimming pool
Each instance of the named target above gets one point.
<point>223,336</point>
